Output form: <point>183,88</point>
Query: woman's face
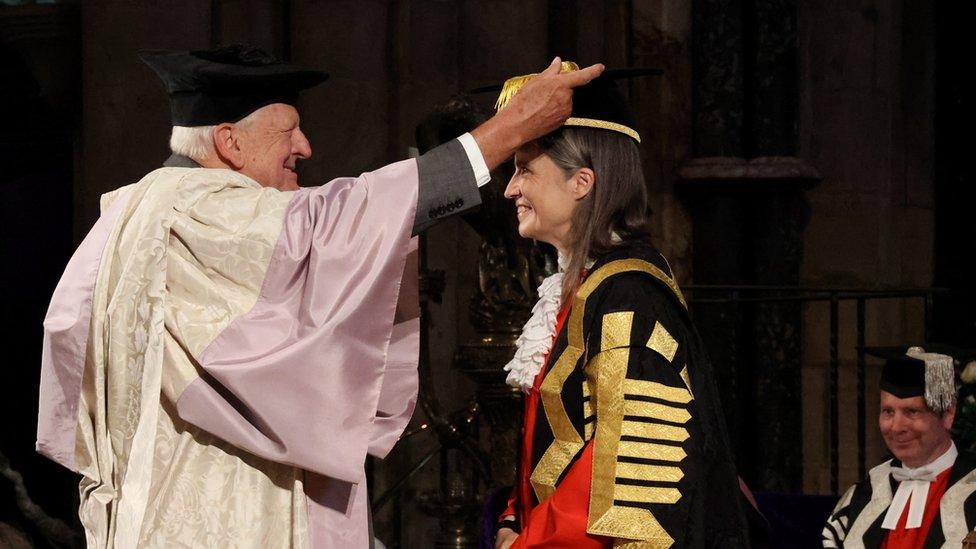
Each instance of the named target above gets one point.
<point>545,199</point>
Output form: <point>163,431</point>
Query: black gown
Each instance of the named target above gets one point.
<point>857,518</point>
<point>628,379</point>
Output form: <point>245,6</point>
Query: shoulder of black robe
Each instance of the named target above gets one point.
<point>848,508</point>
<point>960,513</point>
<point>668,433</point>
<point>961,517</point>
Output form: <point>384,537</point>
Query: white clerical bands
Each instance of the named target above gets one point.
<point>914,486</point>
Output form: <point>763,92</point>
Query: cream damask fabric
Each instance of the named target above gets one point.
<point>187,256</point>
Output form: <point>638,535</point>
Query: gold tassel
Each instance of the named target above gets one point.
<point>514,84</point>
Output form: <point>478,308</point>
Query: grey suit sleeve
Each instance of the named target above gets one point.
<point>447,185</point>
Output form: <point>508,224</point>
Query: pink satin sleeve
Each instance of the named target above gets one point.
<point>65,342</point>
<point>322,369</point>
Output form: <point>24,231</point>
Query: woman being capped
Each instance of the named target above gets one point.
<point>623,437</point>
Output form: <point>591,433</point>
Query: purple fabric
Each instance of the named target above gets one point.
<point>322,369</point>
<point>337,512</point>
<point>65,342</point>
<point>398,395</point>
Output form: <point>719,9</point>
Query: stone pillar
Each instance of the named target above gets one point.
<point>745,191</point>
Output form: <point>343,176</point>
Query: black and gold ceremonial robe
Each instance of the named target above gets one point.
<point>628,390</point>
<point>856,520</point>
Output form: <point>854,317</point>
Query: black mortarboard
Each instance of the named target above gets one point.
<point>915,371</point>
<point>598,104</point>
<point>903,376</point>
<point>208,87</point>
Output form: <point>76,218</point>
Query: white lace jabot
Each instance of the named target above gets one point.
<point>533,345</point>
<point>539,332</point>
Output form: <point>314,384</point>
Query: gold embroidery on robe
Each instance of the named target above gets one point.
<point>661,452</point>
<point>616,330</point>
<point>654,431</point>
<point>662,342</point>
<point>644,471</point>
<point>655,415</point>
<point>605,384</point>
<point>566,439</point>
<point>686,377</point>
<point>654,389</point>
<point>655,410</point>
<point>589,420</point>
<point>646,494</point>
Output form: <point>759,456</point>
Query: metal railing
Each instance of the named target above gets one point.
<point>834,297</point>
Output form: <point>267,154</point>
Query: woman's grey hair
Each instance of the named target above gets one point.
<point>194,142</point>
<point>617,203</point>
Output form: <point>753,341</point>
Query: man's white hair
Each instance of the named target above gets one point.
<point>195,142</point>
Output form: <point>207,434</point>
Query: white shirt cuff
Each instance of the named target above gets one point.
<point>481,173</point>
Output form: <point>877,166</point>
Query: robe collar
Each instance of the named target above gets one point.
<point>180,161</point>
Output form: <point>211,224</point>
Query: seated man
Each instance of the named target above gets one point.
<point>923,497</point>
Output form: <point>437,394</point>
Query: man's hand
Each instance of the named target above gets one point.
<point>541,106</point>
<point>505,538</point>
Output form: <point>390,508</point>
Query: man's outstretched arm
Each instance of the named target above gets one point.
<point>451,174</point>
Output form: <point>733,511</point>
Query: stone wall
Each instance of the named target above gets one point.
<point>867,110</point>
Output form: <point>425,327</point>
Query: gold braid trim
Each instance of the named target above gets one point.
<point>623,266</point>
<point>608,369</point>
<point>567,442</point>
<point>642,387</point>
<point>606,375</point>
<point>603,125</point>
<point>686,377</point>
<point>654,431</point>
<point>662,342</point>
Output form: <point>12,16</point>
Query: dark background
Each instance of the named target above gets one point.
<point>864,107</point>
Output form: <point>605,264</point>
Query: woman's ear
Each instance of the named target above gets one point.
<point>582,183</point>
<point>227,144</point>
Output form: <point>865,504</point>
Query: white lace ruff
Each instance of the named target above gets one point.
<point>537,335</point>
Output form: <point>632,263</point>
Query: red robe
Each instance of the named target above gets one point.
<point>559,521</point>
<point>901,538</point>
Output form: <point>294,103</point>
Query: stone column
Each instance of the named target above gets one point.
<point>745,191</point>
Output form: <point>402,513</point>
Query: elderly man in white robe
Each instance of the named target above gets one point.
<point>225,348</point>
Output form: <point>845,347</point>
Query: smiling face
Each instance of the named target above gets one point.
<point>545,199</point>
<point>271,142</point>
<point>912,431</point>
